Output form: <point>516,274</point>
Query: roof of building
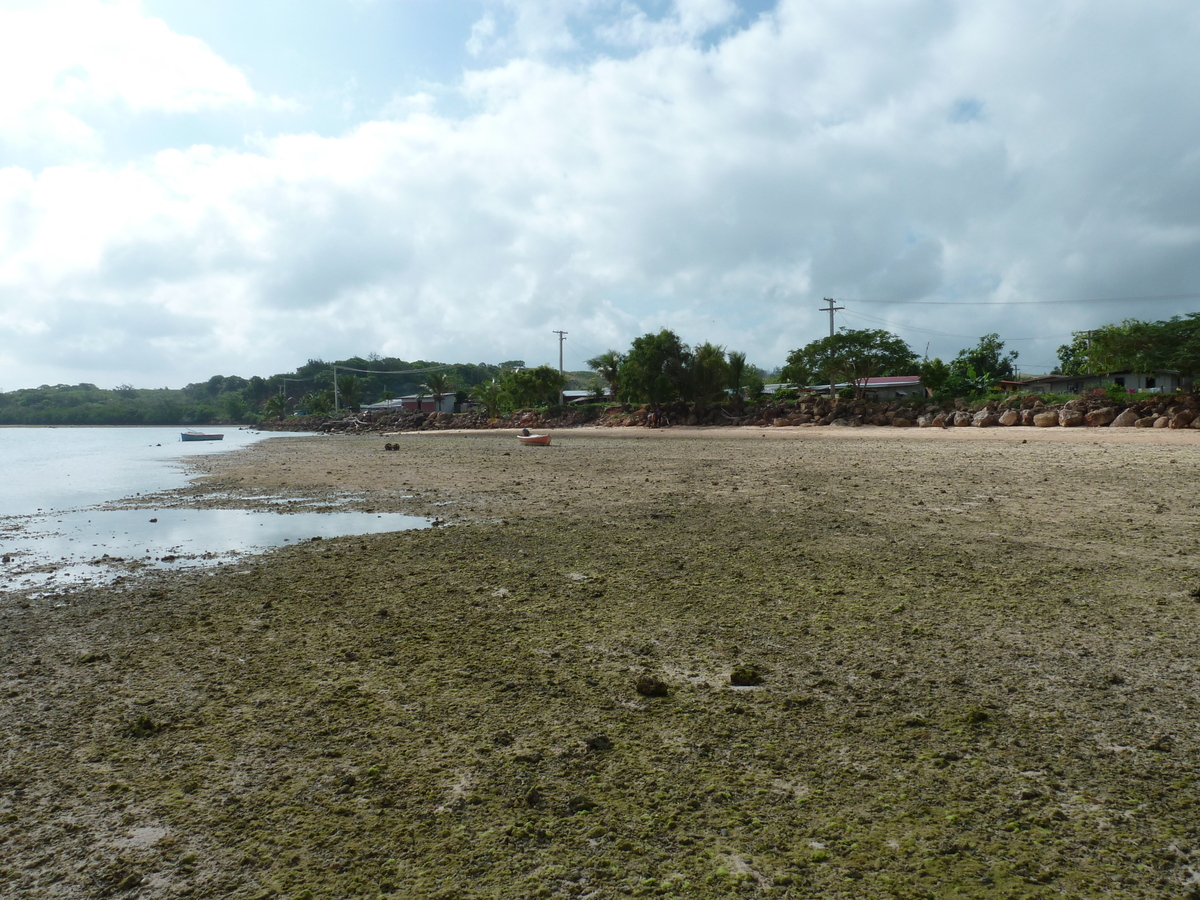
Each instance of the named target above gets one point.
<point>885,381</point>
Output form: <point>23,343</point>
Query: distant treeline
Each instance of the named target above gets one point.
<point>231,399</point>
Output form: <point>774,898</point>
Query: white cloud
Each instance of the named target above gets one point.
<point>61,61</point>
<point>928,151</point>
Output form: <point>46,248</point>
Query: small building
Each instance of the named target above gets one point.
<point>885,387</point>
<point>1165,381</point>
<point>415,403</point>
<point>578,397</point>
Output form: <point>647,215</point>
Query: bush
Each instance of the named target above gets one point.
<point>1051,398</point>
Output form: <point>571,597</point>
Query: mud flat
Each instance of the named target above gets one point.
<point>967,660</point>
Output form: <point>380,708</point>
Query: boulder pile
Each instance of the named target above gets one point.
<point>1028,410</point>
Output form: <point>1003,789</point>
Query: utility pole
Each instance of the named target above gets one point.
<point>335,389</point>
<point>831,310</point>
<point>561,335</point>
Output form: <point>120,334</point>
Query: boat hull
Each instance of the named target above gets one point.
<point>201,437</point>
<point>539,439</point>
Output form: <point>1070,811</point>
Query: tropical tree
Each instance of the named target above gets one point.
<point>966,383</point>
<point>1072,357</point>
<point>438,384</point>
<point>654,370</point>
<point>275,407</point>
<point>318,403</point>
<point>800,368</point>
<point>754,385</point>
<point>736,361</point>
<point>539,386</point>
<point>608,366</point>
<point>854,355</point>
<point>707,374</point>
<point>1134,345</point>
<point>489,394</point>
<point>349,391</point>
<point>934,374</point>
<point>987,358</point>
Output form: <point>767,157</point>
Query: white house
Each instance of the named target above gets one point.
<point>1162,382</point>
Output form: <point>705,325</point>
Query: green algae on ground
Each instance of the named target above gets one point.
<point>455,713</point>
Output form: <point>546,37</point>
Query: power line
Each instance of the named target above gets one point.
<point>968,337</point>
<point>404,372</point>
<point>1031,302</point>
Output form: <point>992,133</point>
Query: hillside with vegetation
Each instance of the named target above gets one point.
<point>234,400</point>
<point>657,371</point>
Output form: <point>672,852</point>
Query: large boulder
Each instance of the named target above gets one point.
<point>1027,414</point>
<point>1098,417</point>
<point>962,419</point>
<point>985,418</point>
<point>1045,419</point>
<point>1070,418</point>
<point>1145,422</point>
<point>1182,419</point>
<point>1009,417</point>
<point>1163,421</point>
<point>925,421</point>
<point>1126,419</point>
<point>901,422</point>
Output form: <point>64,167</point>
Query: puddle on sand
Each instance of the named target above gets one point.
<point>96,546</point>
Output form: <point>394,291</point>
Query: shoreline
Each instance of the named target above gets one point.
<point>976,654</point>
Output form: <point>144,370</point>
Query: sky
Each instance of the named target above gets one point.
<point>189,189</point>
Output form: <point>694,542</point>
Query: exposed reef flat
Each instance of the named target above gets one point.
<point>780,662</point>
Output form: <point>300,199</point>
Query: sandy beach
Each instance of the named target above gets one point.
<point>967,659</point>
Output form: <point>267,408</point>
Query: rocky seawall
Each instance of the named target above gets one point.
<point>1168,411</point>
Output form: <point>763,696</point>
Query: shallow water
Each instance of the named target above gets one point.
<point>49,469</point>
<point>52,534</point>
<point>96,546</point>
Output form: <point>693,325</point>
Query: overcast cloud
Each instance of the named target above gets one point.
<point>178,198</point>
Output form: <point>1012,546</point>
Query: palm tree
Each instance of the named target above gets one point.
<point>737,372</point>
<point>488,394</point>
<point>349,387</point>
<point>608,366</point>
<point>318,403</point>
<point>275,407</point>
<point>438,384</point>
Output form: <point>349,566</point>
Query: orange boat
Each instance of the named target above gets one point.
<point>534,438</point>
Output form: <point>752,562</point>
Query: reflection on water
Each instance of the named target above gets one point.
<point>49,469</point>
<point>94,546</point>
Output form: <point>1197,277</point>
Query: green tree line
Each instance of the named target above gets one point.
<point>659,369</point>
<point>1135,346</point>
<point>234,400</point>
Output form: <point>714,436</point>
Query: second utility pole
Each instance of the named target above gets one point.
<point>831,310</point>
<point>561,335</point>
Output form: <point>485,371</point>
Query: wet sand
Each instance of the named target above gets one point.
<point>979,676</point>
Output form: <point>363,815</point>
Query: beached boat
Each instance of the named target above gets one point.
<point>533,438</point>
<point>198,436</point>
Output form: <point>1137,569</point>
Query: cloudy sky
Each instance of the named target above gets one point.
<point>229,187</point>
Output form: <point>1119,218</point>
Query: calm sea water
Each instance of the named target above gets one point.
<point>52,534</point>
<point>50,469</point>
